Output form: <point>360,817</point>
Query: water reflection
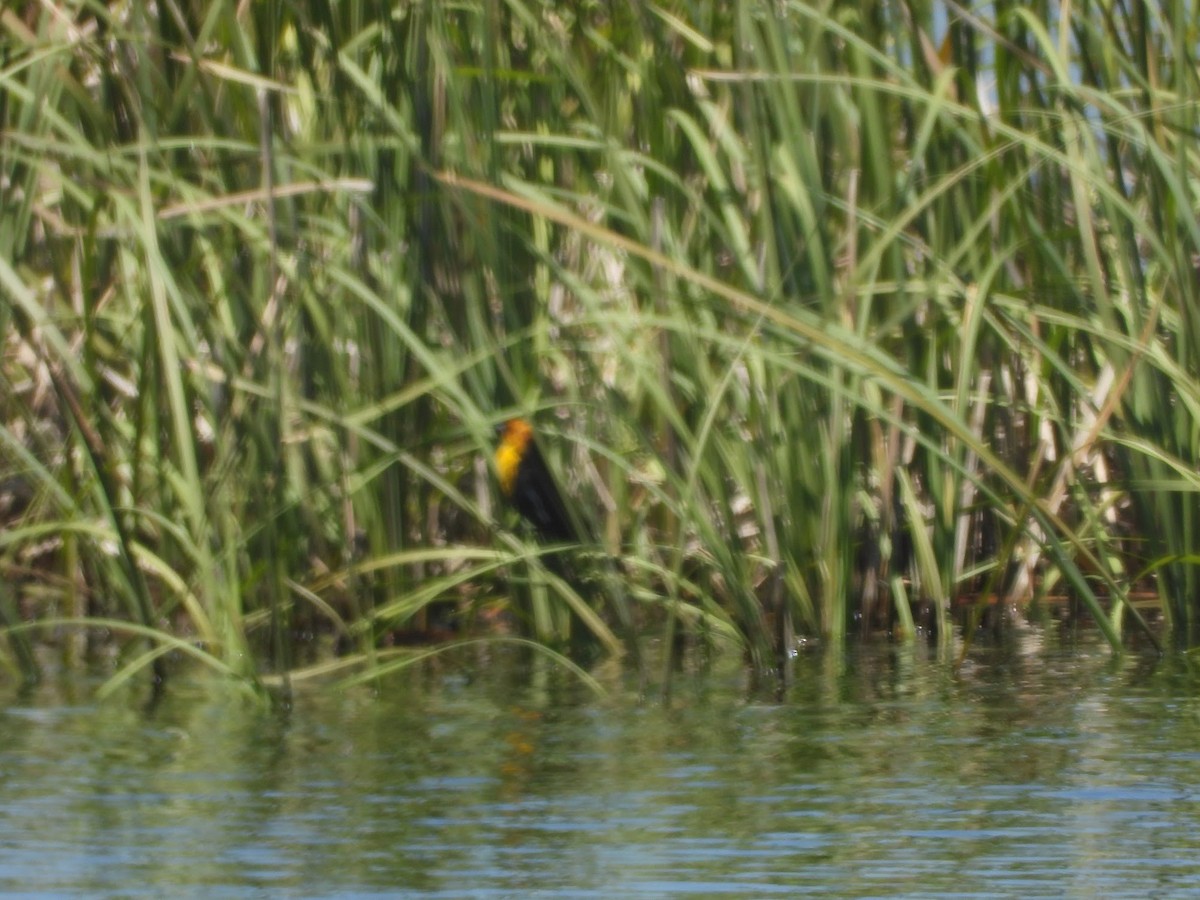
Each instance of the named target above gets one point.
<point>1059,772</point>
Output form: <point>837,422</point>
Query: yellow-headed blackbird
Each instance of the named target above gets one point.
<point>528,485</point>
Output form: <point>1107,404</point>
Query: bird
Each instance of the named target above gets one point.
<point>527,484</point>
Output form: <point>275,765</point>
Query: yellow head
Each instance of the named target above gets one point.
<point>515,436</point>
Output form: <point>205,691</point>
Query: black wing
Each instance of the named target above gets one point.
<point>537,498</point>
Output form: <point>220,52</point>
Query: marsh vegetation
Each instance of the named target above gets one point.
<point>830,317</point>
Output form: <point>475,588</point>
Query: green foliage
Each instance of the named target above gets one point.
<point>833,316</point>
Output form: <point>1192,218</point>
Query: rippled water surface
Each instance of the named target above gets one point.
<point>1046,773</point>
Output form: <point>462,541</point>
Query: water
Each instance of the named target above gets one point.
<point>1056,773</point>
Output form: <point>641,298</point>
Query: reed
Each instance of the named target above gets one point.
<point>831,318</point>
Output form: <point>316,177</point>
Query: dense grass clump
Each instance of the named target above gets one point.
<point>830,318</point>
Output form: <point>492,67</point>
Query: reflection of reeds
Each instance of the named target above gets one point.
<point>828,318</point>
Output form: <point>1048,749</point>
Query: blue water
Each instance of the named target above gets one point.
<point>1033,772</point>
